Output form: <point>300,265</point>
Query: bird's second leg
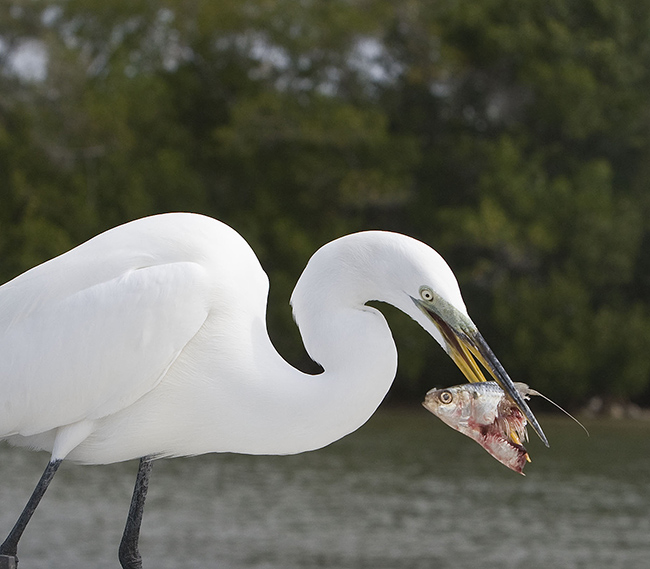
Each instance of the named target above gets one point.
<point>129,554</point>
<point>9,548</point>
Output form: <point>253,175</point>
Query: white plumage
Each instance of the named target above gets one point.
<point>150,340</point>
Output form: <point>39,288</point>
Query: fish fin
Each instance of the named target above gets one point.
<point>538,394</point>
<point>523,389</point>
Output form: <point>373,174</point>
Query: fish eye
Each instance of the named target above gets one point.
<point>446,397</point>
<point>426,293</point>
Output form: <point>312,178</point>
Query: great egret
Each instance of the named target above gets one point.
<point>150,341</point>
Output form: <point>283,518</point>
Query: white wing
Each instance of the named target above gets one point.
<point>88,333</point>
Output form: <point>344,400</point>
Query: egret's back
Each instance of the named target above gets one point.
<point>90,332</point>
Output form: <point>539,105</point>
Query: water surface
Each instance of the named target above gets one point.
<point>404,492</point>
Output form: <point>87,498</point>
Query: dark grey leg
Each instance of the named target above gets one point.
<point>129,555</point>
<point>9,548</point>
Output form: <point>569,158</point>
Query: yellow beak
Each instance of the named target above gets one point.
<point>467,349</point>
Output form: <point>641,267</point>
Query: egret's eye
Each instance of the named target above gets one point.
<point>426,294</point>
<point>446,397</point>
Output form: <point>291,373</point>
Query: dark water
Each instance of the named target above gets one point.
<point>403,492</point>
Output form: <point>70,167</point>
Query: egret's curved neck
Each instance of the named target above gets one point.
<point>350,340</point>
<point>359,359</point>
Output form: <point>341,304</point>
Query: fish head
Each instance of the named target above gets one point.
<point>452,405</point>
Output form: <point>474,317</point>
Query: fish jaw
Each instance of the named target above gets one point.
<point>498,440</point>
<point>502,447</point>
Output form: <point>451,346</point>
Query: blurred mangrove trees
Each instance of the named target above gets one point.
<point>511,135</point>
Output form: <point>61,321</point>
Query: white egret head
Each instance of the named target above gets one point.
<point>410,275</point>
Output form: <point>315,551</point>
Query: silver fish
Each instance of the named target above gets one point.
<point>483,412</point>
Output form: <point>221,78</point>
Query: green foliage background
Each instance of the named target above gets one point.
<point>511,135</point>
